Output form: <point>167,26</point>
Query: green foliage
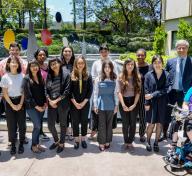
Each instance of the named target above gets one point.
<point>148,59</point>
<point>185,32</point>
<point>134,46</point>
<point>159,40</point>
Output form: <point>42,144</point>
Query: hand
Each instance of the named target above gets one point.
<point>148,96</point>
<point>147,108</point>
<point>19,106</point>
<point>125,108</point>
<point>82,104</point>
<point>53,104</point>
<point>96,110</point>
<point>14,107</point>
<point>39,108</point>
<point>78,106</point>
<point>132,107</point>
<point>115,110</point>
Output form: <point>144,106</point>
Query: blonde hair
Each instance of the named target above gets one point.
<point>75,72</point>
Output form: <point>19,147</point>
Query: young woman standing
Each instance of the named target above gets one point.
<point>129,92</point>
<point>67,59</point>
<point>105,103</point>
<point>12,92</point>
<point>35,101</point>
<point>41,55</point>
<point>156,89</point>
<point>58,91</point>
<point>81,91</point>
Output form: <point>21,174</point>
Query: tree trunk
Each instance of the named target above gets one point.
<point>23,19</point>
<point>74,14</point>
<point>85,15</point>
<point>1,14</point>
<point>20,20</point>
<point>45,15</point>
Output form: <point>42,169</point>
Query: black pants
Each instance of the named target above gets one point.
<point>61,111</point>
<point>15,119</point>
<point>142,114</point>
<point>105,127</point>
<point>129,120</point>
<point>80,116</point>
<point>95,121</point>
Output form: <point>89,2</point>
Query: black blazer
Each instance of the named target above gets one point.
<point>87,89</point>
<point>150,86</point>
<point>30,100</point>
<point>187,74</point>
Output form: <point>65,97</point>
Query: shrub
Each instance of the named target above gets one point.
<point>148,59</point>
<point>185,32</point>
<point>159,40</point>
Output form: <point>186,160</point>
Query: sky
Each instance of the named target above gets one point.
<point>62,6</point>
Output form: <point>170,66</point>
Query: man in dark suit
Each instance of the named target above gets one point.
<point>180,72</point>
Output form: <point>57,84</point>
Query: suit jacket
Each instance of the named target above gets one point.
<point>187,74</point>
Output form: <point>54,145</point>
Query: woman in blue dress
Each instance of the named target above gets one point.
<point>105,103</point>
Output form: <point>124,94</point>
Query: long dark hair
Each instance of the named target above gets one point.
<point>7,67</point>
<point>72,57</point>
<point>50,71</point>
<point>39,76</point>
<point>113,76</point>
<point>135,74</point>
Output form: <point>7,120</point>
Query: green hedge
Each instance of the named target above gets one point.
<point>150,54</point>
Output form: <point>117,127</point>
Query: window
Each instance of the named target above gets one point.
<point>173,39</point>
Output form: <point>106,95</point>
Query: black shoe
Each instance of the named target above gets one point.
<point>60,149</point>
<point>21,149</point>
<point>44,137</point>
<point>156,147</point>
<point>148,147</point>
<point>107,146</point>
<point>142,139</point>
<point>13,150</point>
<point>76,145</point>
<point>53,146</point>
<point>84,144</point>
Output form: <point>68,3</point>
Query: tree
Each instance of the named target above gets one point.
<point>185,32</point>
<point>159,40</point>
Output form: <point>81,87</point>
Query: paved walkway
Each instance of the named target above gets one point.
<point>83,162</point>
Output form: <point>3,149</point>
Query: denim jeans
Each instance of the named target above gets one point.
<point>35,117</point>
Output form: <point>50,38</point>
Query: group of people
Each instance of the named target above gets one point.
<point>69,92</point>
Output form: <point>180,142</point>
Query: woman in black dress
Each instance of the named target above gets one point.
<point>156,87</point>
<point>67,59</point>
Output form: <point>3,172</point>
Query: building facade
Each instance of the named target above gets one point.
<point>172,12</point>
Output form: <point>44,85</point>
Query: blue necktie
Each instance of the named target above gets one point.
<point>181,66</point>
<point>181,73</point>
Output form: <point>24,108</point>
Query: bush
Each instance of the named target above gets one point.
<point>119,40</point>
<point>148,59</point>
<point>117,49</point>
<point>159,40</point>
<point>134,46</point>
<point>20,36</point>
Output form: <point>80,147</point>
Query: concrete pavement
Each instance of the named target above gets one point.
<point>84,162</point>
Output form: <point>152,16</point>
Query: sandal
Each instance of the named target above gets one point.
<point>42,149</point>
<point>35,149</point>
